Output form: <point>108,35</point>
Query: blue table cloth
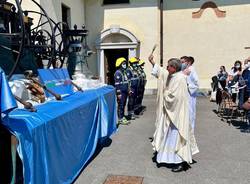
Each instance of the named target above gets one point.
<point>56,142</point>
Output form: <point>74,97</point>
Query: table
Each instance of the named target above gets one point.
<point>56,142</point>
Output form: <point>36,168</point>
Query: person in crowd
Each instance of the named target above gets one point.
<point>138,99</point>
<point>237,68</point>
<point>245,65</point>
<point>122,85</point>
<point>231,83</point>
<point>132,103</point>
<point>193,86</point>
<point>172,139</point>
<point>219,83</point>
<point>233,79</point>
<point>244,92</point>
<point>222,76</point>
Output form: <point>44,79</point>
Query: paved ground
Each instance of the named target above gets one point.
<point>224,156</point>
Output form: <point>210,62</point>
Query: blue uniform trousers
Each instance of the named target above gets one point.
<point>122,104</point>
<point>132,100</point>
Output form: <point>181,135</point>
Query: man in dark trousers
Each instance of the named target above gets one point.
<point>122,85</point>
<point>132,103</point>
<point>141,88</point>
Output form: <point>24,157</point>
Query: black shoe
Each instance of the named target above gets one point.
<point>130,117</point>
<point>181,167</point>
<point>178,168</point>
<point>143,108</point>
<point>193,162</point>
<point>186,166</point>
<point>139,111</point>
<point>136,116</point>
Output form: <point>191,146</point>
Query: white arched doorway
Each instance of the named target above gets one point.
<point>112,42</point>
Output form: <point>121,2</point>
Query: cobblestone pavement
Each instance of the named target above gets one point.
<point>224,156</point>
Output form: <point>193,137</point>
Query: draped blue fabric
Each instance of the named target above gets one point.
<point>7,100</point>
<point>57,80</point>
<point>56,142</point>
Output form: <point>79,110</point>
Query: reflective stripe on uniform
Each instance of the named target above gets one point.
<point>134,79</point>
<point>125,82</point>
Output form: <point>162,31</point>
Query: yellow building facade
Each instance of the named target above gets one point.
<point>213,32</point>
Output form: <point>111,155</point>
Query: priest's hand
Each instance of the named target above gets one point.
<point>151,59</point>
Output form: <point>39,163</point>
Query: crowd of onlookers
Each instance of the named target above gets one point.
<point>235,81</point>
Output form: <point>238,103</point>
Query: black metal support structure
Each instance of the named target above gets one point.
<point>29,46</point>
<point>22,34</point>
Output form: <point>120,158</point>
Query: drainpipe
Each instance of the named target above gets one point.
<point>161,32</point>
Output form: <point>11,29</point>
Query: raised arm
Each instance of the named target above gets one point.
<point>156,69</point>
<point>151,60</point>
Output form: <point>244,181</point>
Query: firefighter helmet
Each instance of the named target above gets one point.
<point>133,60</point>
<point>119,61</point>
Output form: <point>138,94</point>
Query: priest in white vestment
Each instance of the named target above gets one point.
<point>173,138</point>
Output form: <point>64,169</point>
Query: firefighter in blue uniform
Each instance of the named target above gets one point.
<point>122,85</point>
<point>141,89</point>
<point>132,102</point>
